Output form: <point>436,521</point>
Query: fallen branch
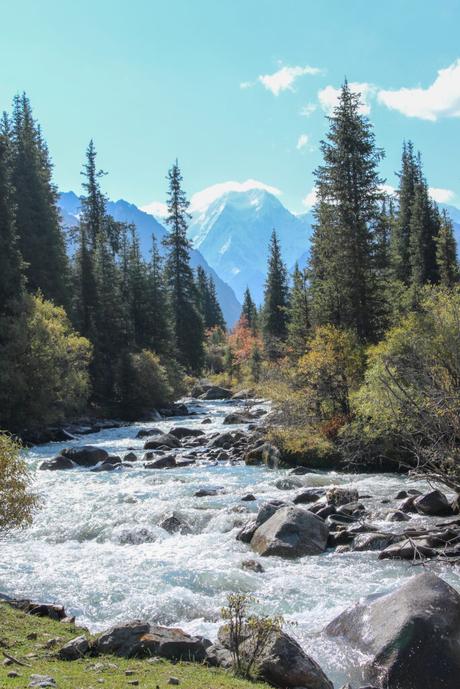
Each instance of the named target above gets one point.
<point>15,660</point>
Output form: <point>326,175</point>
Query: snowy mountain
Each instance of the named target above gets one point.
<point>147,225</point>
<point>233,233</point>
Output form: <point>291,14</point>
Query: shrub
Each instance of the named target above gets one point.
<point>248,634</point>
<point>146,384</point>
<point>17,503</point>
<point>49,379</point>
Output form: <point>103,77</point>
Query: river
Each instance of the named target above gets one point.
<point>96,546</point>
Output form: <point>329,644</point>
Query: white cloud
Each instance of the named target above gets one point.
<point>310,199</point>
<point>284,78</point>
<point>308,109</point>
<point>156,208</point>
<point>246,84</point>
<point>302,141</point>
<point>441,99</point>
<point>202,199</point>
<point>329,96</point>
<point>441,195</point>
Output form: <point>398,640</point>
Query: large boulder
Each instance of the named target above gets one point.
<point>412,633</point>
<point>163,440</point>
<point>165,462</point>
<point>86,456</point>
<point>433,504</point>
<point>215,392</point>
<point>57,464</point>
<point>183,432</point>
<point>291,532</point>
<point>282,663</point>
<point>236,418</point>
<point>148,432</point>
<point>74,649</point>
<point>263,454</point>
<point>136,638</point>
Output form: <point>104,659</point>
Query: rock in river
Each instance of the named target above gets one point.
<point>291,532</point>
<point>165,439</point>
<point>434,503</point>
<point>412,633</point>
<point>86,456</point>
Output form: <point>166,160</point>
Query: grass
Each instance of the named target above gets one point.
<point>39,651</point>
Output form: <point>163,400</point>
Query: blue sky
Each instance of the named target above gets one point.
<point>235,89</point>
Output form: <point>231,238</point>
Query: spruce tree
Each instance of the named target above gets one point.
<point>12,293</point>
<point>400,238</point>
<point>446,252</point>
<point>342,266</point>
<point>187,321</point>
<point>160,328</point>
<point>275,299</point>
<point>41,239</point>
<point>249,311</point>
<point>298,314</point>
<point>208,303</point>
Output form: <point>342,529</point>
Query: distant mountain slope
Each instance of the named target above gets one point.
<point>147,225</point>
<point>233,234</point>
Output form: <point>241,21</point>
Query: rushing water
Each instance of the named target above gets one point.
<point>96,546</point>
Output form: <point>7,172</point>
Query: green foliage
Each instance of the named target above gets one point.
<point>17,502</point>
<point>446,252</point>
<point>147,385</point>
<point>343,271</point>
<point>41,239</point>
<point>187,320</point>
<point>208,303</point>
<point>249,311</point>
<point>248,634</point>
<point>28,635</point>
<point>274,312</point>
<point>298,314</point>
<point>411,392</point>
<point>330,370</point>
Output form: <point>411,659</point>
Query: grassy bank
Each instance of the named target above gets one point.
<point>36,640</point>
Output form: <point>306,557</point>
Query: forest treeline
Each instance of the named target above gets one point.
<point>84,318</point>
<point>361,349</point>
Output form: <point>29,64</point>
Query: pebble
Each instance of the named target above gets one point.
<point>173,680</point>
<point>7,662</point>
<point>134,683</point>
<point>32,636</point>
<point>129,673</point>
<point>13,674</point>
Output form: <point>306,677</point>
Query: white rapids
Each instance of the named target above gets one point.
<point>96,546</point>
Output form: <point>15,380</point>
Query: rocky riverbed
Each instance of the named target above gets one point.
<point>146,526</point>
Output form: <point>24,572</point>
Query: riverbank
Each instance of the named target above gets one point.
<point>34,641</point>
<point>160,544</point>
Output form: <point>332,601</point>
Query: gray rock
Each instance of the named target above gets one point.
<point>183,432</point>
<point>252,565</point>
<point>309,495</point>
<point>288,483</point>
<point>263,454</point>
<point>409,549</point>
<point>397,516</point>
<point>74,649</point>
<point>130,457</point>
<point>247,532</point>
<point>413,634</point>
<point>219,656</point>
<point>215,392</point>
<point>57,464</point>
<point>372,541</point>
<point>268,509</point>
<point>235,418</point>
<point>249,497</point>
<point>165,439</point>
<point>291,532</point>
<point>86,456</point>
<point>147,432</point>
<point>173,524</point>
<point>165,462</point>
<point>245,394</point>
<point>434,503</point>
<point>341,496</point>
<point>42,681</point>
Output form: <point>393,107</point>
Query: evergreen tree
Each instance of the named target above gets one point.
<point>446,252</point>
<point>275,300</point>
<point>249,311</point>
<point>400,238</point>
<point>41,240</point>
<point>298,314</point>
<point>208,303</point>
<point>187,321</point>
<point>342,266</point>
<point>160,327</point>
<point>13,336</point>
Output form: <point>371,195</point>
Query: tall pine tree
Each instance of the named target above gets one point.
<point>187,320</point>
<point>446,252</point>
<point>41,239</point>
<point>342,266</point>
<point>249,311</point>
<point>298,314</point>
<point>275,299</point>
